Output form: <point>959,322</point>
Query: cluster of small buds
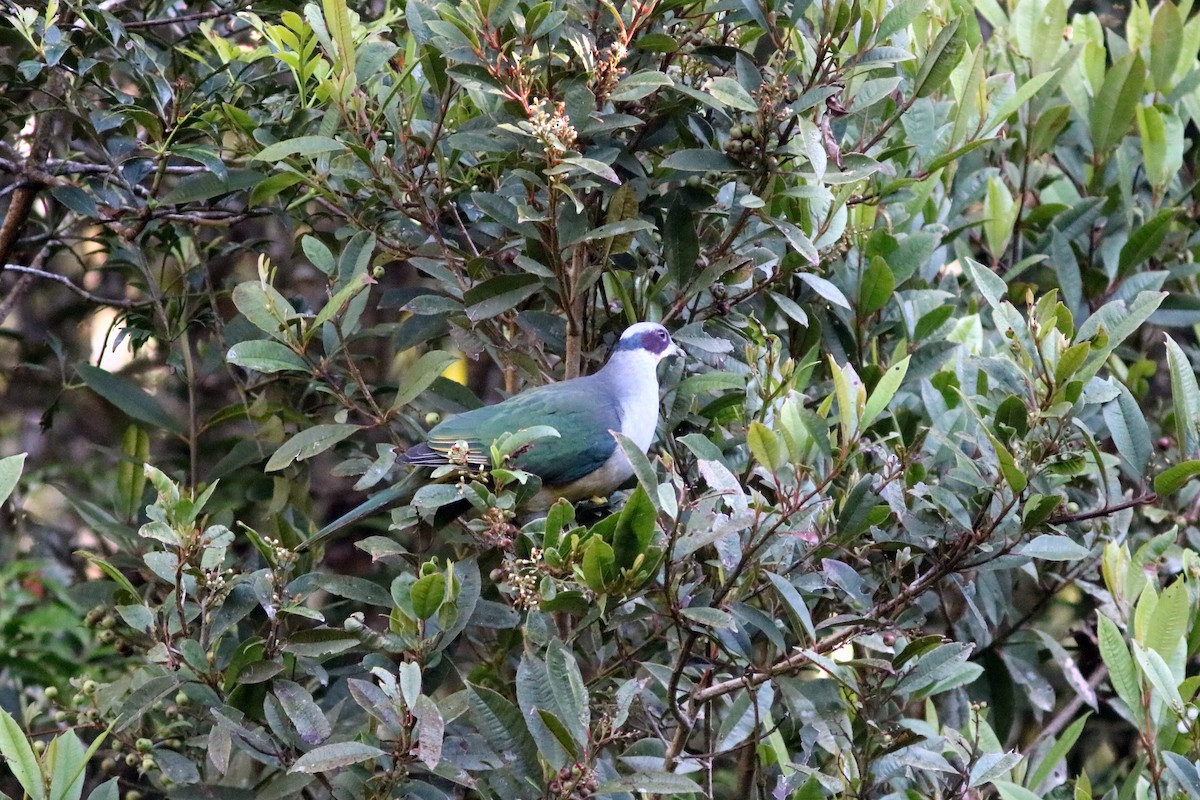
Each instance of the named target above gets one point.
<point>280,553</point>
<point>522,576</point>
<point>215,579</point>
<point>573,782</point>
<point>499,531</point>
<point>459,453</point>
<point>609,70</point>
<point>552,127</point>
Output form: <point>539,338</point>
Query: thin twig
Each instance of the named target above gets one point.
<point>34,272</point>
<point>198,16</point>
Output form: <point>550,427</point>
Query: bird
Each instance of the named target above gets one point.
<point>584,461</point>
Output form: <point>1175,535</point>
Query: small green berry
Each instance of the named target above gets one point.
<point>144,745</point>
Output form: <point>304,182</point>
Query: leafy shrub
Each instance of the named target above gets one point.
<point>922,494</point>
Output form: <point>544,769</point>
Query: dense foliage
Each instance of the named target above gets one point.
<point>920,520</point>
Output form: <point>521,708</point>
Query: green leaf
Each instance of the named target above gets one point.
<point>1013,475</point>
<point>1116,102</point>
<point>681,245</point>
<point>635,529</point>
<point>1173,478</point>
<point>1012,791</point>
<point>940,60</point>
<point>300,146</point>
<point>337,20</point>
<point>990,285</point>
<point>1185,395</point>
<point>308,443</point>
<point>1169,621</point>
<point>335,756</point>
<point>1057,752</point>
<point>764,445</point>
<point>1161,132</point>
<point>272,185</point>
<point>598,561</point>
<point>652,783</point>
<point>502,727</point>
<point>730,93</point>
<point>131,473</point>
<point>265,356</point>
<point>265,308</point>
<point>420,376</point>
<point>700,160</point>
<point>10,472</point>
<point>1024,92</point>
<point>877,286</point>
<point>710,617</point>
<point>641,84</point>
<point>1146,241</point>
<point>570,692</point>
<point>497,295</point>
<point>302,711</point>
<point>1166,44</point>
<point>128,397</point>
<point>1053,547</point>
<point>22,763</point>
<point>427,595</point>
<point>1128,428</point>
<point>207,185</point>
<point>66,761</point>
<point>884,391</point>
<point>1120,665</point>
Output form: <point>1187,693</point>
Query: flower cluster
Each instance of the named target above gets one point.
<point>549,124</point>
<point>609,70</point>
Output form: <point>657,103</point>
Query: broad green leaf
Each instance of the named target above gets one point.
<point>990,285</point>
<point>335,756</point>
<point>1169,621</point>
<point>700,160</point>
<point>884,391</point>
<point>302,711</point>
<point>497,295</point>
<point>420,376</point>
<point>265,308</point>
<point>877,286</point>
<point>637,85</point>
<point>1185,395</point>
<point>634,530</point>
<point>1166,44</point>
<point>128,397</point>
<point>502,727</point>
<point>710,617</point>
<point>265,356</point>
<point>991,766</point>
<point>337,20</point>
<point>764,445</point>
<point>1013,476</point>
<point>1012,791</point>
<point>1145,242</point>
<point>570,692</point>
<point>22,763</point>
<point>308,443</point>
<point>654,783</point>
<point>1115,105</point>
<point>1161,132</point>
<point>1053,547</point>
<point>1154,668</point>
<point>427,594</point>
<point>1057,752</point>
<point>1120,665</point>
<point>1175,477</point>
<point>1128,428</point>
<point>431,731</point>
<point>730,93</point>
<point>65,761</point>
<point>300,146</point>
<point>940,60</point>
<point>10,472</point>
<point>131,472</point>
<point>681,245</point>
